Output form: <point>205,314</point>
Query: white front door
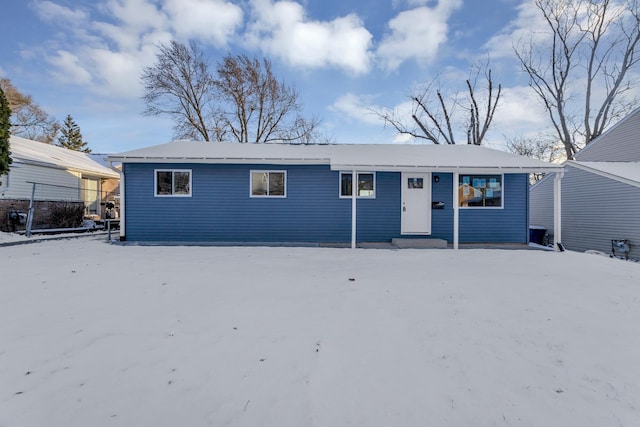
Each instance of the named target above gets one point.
<point>416,203</point>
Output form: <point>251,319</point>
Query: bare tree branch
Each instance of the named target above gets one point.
<point>28,120</point>
<point>593,44</point>
<point>180,85</point>
<point>436,121</point>
<point>243,101</point>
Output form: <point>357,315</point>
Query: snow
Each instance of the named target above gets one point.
<point>98,334</point>
<point>382,157</point>
<point>25,150</point>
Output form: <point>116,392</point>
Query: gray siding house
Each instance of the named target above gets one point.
<point>60,177</point>
<point>600,192</point>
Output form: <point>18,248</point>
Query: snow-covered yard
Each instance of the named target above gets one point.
<point>93,334</point>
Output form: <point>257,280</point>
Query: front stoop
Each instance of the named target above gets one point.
<point>403,243</point>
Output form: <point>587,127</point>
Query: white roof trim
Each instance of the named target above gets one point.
<point>372,157</point>
<point>625,172</point>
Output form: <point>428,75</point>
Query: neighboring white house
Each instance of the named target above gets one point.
<point>600,192</point>
<point>59,175</point>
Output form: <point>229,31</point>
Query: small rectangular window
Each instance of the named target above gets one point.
<point>415,183</point>
<point>366,184</point>
<point>480,191</point>
<point>173,183</point>
<point>268,183</point>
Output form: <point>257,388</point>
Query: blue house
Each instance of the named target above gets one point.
<point>280,193</point>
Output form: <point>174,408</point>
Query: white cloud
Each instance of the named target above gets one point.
<point>529,24</point>
<point>69,68</point>
<point>416,34</point>
<point>520,105</point>
<point>120,72</point>
<point>358,108</point>
<point>282,30</point>
<point>138,15</point>
<point>107,51</point>
<point>50,11</point>
<point>214,21</point>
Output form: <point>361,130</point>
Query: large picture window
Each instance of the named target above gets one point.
<point>480,191</point>
<point>173,182</point>
<point>268,184</point>
<point>366,184</point>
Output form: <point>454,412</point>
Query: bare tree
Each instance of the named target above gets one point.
<point>434,117</point>
<point>580,69</point>
<point>540,148</point>
<point>243,101</point>
<point>28,120</point>
<point>179,84</point>
<point>259,108</point>
<point>546,148</point>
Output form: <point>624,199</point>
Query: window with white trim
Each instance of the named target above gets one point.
<point>366,184</point>
<point>480,191</point>
<point>172,182</point>
<point>268,183</point>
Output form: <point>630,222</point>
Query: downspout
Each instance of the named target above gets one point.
<point>557,211</point>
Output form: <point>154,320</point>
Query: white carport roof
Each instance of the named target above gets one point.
<point>627,172</point>
<point>371,157</point>
<point>39,153</point>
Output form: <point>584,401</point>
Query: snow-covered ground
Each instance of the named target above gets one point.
<point>93,334</point>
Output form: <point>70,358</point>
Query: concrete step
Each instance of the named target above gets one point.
<point>404,243</point>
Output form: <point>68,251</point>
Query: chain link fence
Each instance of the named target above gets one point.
<point>52,207</point>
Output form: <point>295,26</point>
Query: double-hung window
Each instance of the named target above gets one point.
<point>268,183</point>
<point>480,191</point>
<point>366,187</point>
<point>172,182</point>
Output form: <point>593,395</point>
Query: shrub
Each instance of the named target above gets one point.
<point>66,215</point>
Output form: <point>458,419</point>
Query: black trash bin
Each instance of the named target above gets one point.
<point>536,234</point>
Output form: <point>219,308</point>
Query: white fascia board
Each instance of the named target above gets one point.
<point>84,172</point>
<point>445,169</point>
<point>604,174</point>
<point>223,160</point>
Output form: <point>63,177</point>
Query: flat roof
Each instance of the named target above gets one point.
<point>373,157</point>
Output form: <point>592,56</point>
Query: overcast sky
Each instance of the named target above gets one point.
<point>344,57</point>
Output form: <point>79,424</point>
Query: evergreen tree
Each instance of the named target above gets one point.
<point>5,125</point>
<point>71,137</point>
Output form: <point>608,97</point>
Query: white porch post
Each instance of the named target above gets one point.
<point>354,192</point>
<point>456,210</point>
<point>557,210</point>
<point>122,202</point>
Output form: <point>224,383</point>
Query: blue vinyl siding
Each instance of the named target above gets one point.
<point>507,225</point>
<point>442,219</point>
<point>221,210</point>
